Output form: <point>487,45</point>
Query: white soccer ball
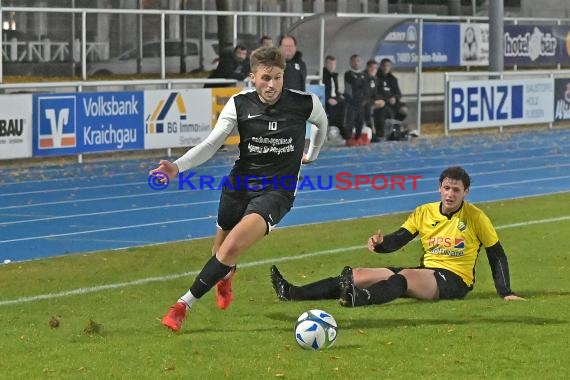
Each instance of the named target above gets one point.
<point>315,329</point>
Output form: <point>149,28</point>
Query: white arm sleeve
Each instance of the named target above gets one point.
<point>318,130</point>
<point>202,152</point>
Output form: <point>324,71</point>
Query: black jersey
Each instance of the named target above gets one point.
<point>272,139</point>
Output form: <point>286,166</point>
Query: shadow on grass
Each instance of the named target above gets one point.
<point>401,322</point>
<point>524,294</point>
<point>246,328</point>
<point>361,323</point>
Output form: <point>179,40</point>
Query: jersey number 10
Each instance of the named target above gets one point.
<point>272,126</point>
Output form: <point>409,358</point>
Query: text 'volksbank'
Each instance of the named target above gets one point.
<point>106,133</point>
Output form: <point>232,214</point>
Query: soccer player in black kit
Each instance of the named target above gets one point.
<point>271,122</point>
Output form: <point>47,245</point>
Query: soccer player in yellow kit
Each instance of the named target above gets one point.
<point>451,231</point>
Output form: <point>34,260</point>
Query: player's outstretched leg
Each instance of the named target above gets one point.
<point>175,316</point>
<point>281,286</point>
<point>224,293</point>
<point>381,292</point>
<point>325,289</point>
<point>213,271</point>
<point>350,295</point>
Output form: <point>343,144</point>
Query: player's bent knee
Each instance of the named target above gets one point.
<point>421,284</point>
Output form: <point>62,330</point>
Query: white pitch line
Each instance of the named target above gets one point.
<point>107,229</point>
<point>148,280</point>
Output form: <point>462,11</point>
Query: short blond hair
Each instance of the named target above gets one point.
<point>269,57</point>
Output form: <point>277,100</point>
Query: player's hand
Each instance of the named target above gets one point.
<point>305,161</point>
<point>166,167</point>
<point>374,240</point>
<point>332,102</point>
<point>512,297</point>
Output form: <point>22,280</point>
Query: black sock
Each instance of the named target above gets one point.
<point>388,290</point>
<point>327,288</point>
<point>212,272</point>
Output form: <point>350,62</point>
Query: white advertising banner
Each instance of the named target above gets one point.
<point>474,39</point>
<point>491,103</point>
<point>15,126</point>
<point>177,118</point>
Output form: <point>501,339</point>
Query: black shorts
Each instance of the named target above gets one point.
<point>449,285</point>
<point>235,204</point>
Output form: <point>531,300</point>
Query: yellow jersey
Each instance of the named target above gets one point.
<point>452,242</point>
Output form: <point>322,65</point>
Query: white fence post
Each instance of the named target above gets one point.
<point>83,45</point>
<point>162,47</point>
<point>446,79</point>
<point>419,75</point>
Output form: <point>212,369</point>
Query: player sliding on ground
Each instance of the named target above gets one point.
<point>271,123</point>
<point>451,233</point>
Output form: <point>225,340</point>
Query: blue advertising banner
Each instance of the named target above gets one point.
<point>537,45</point>
<point>441,46</point>
<point>561,99</point>
<point>87,122</point>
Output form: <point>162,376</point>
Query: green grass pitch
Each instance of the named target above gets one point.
<point>479,337</point>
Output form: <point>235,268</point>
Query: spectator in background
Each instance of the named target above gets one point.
<point>334,101</point>
<point>395,109</point>
<point>266,41</point>
<point>375,103</point>
<point>232,65</point>
<point>295,69</point>
<point>355,95</point>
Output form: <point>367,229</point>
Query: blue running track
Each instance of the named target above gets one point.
<point>61,209</point>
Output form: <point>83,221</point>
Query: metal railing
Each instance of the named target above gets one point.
<point>162,13</point>
<point>168,83</point>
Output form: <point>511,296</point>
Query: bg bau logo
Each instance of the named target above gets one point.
<point>155,122</point>
<point>56,122</point>
<point>488,102</point>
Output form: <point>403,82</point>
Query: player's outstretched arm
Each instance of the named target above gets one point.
<point>166,167</point>
<point>380,243</point>
<point>500,269</point>
<point>202,152</point>
<point>374,240</point>
<point>319,120</point>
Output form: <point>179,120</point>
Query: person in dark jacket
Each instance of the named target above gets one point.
<point>295,67</point>
<point>395,111</point>
<point>355,94</point>
<point>334,100</point>
<point>233,65</point>
<point>389,83</point>
<point>375,106</point>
